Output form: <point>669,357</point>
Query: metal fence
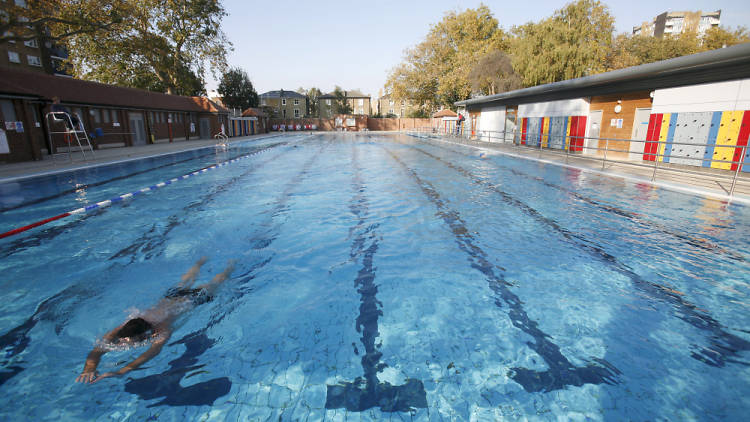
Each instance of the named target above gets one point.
<point>638,156</point>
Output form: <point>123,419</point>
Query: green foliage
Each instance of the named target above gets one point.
<point>717,37</point>
<point>435,71</point>
<point>236,90</point>
<point>340,105</point>
<point>313,101</point>
<point>574,42</point>
<point>418,113</point>
<point>493,74</point>
<point>173,41</point>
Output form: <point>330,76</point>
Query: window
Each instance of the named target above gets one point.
<point>115,118</point>
<point>390,111</point>
<point>31,43</point>
<point>34,111</point>
<point>283,101</point>
<point>95,114</point>
<point>105,116</point>
<point>13,57</point>
<point>21,3</point>
<point>296,112</point>
<point>328,102</point>
<point>9,112</point>
<point>283,113</point>
<point>34,61</point>
<point>262,101</point>
<point>361,101</point>
<point>390,102</point>
<point>296,101</point>
<point>361,110</point>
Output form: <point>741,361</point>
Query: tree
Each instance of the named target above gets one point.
<point>718,37</point>
<point>635,50</point>
<point>493,74</point>
<point>171,41</point>
<point>312,101</point>
<point>340,105</point>
<point>435,70</point>
<point>575,41</point>
<point>236,90</point>
<point>58,20</point>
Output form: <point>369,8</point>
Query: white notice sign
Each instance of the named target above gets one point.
<point>4,149</point>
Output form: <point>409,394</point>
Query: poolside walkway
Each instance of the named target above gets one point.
<point>105,156</point>
<point>697,180</point>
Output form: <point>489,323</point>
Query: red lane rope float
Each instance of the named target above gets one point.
<point>119,198</point>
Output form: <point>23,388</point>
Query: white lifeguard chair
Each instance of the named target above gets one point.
<point>71,132</point>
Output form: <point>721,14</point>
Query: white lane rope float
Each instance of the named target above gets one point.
<point>119,198</point>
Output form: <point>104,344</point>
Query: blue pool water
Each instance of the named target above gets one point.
<point>379,277</point>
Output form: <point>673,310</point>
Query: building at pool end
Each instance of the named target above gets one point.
<point>113,116</point>
<point>692,110</point>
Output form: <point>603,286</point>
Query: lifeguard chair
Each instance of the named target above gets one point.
<point>73,132</point>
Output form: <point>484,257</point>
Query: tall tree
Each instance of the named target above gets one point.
<point>435,70</point>
<point>175,41</point>
<point>312,101</point>
<point>59,20</point>
<point>493,74</point>
<point>236,90</point>
<point>340,105</point>
<point>718,37</point>
<point>574,42</point>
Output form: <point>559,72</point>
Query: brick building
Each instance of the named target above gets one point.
<point>360,104</point>
<point>113,116</point>
<point>284,104</point>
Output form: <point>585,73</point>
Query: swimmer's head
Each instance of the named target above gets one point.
<point>136,329</point>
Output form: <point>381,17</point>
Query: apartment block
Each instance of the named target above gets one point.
<point>360,104</point>
<point>285,104</point>
<point>673,23</point>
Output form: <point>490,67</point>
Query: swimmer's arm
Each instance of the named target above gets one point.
<point>149,354</point>
<point>92,360</point>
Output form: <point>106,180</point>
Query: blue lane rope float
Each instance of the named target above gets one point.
<point>108,202</point>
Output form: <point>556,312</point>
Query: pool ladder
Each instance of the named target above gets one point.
<point>77,132</point>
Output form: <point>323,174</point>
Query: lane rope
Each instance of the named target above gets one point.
<point>119,198</point>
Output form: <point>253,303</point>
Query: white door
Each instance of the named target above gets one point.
<point>592,133</point>
<point>640,130</point>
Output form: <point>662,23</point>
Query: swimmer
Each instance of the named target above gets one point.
<point>482,155</point>
<point>153,325</point>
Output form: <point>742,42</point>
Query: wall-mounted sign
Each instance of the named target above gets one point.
<point>351,122</point>
<point>10,125</point>
<point>19,126</point>
<point>115,124</point>
<point>192,127</point>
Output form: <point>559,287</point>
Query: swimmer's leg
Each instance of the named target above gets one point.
<point>219,278</point>
<point>189,277</point>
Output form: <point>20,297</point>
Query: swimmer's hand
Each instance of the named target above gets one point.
<point>105,375</point>
<point>87,377</point>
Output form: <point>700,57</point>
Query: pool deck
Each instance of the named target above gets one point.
<point>702,181</point>
<point>61,162</point>
<point>709,182</point>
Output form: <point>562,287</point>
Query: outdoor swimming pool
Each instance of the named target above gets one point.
<point>378,277</point>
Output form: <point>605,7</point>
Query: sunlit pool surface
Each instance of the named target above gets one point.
<point>378,277</point>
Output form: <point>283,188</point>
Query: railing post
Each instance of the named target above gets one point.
<point>737,172</point>
<point>540,144</point>
<point>656,160</point>
<point>606,147</point>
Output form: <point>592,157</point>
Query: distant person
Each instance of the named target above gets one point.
<point>154,325</point>
<point>74,123</point>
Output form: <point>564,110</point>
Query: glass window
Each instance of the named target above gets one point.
<point>95,114</point>
<point>31,43</point>
<point>13,57</point>
<point>390,102</point>
<point>34,61</point>
<point>361,101</point>
<point>283,101</point>
<point>296,112</point>
<point>328,102</point>
<point>34,111</point>
<point>9,112</point>
<point>115,118</point>
<point>105,116</point>
<point>296,101</point>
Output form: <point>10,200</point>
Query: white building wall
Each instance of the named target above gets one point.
<point>491,123</point>
<point>721,96</point>
<point>574,107</point>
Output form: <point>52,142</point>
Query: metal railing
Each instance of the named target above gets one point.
<point>637,154</point>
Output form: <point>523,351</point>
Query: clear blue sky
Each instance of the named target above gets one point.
<point>354,44</point>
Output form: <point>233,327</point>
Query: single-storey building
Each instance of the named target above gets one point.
<point>112,116</point>
<point>690,110</point>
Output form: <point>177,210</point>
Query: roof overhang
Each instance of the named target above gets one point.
<point>711,66</point>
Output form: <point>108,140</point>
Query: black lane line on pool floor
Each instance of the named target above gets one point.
<point>634,217</point>
<point>35,238</point>
<point>724,346</point>
<point>154,238</point>
<point>561,372</point>
<point>168,383</point>
<point>368,391</point>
